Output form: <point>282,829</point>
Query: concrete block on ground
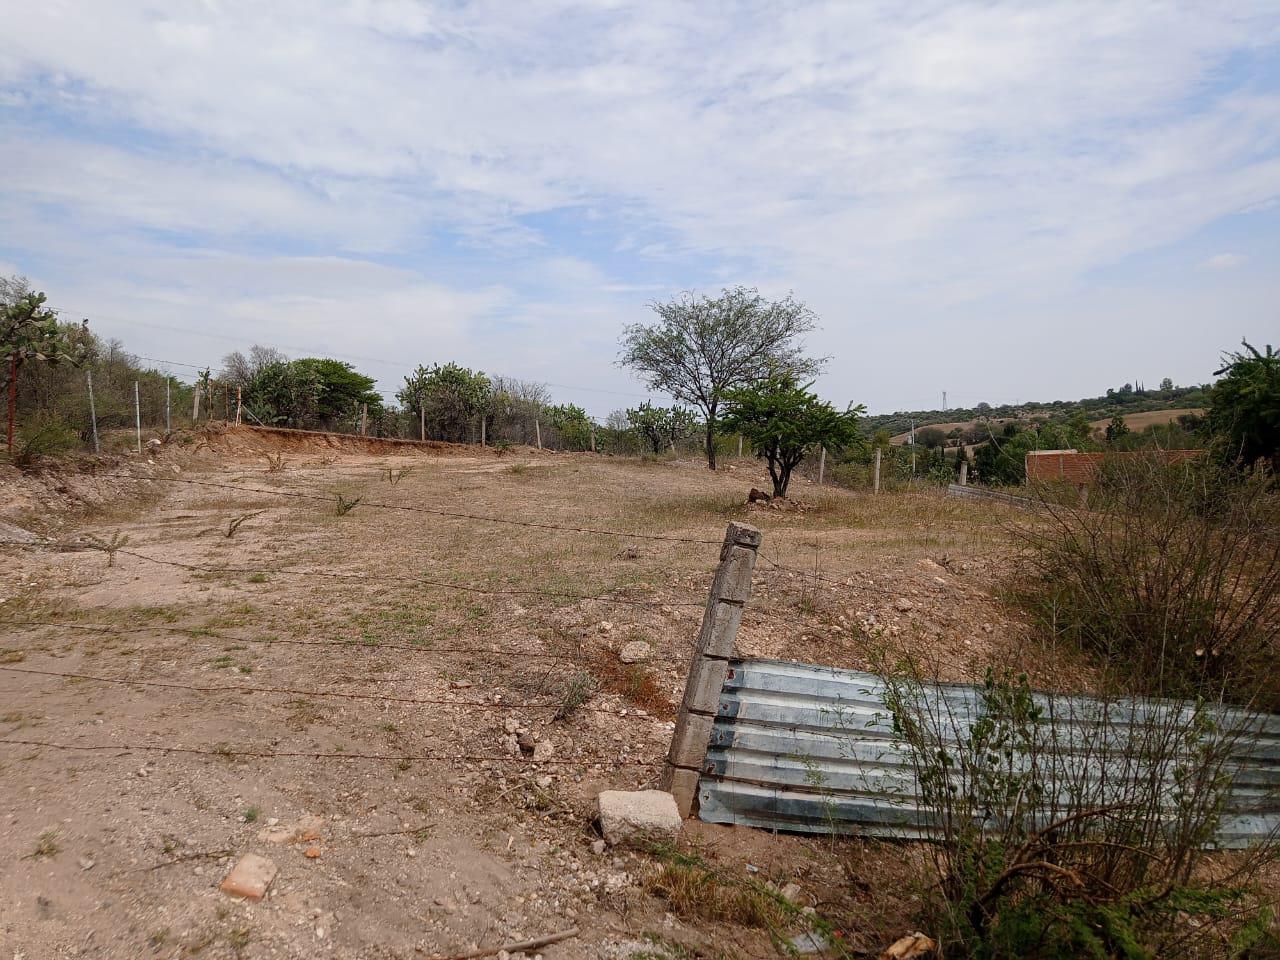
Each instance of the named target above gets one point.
<point>250,877</point>
<point>630,816</point>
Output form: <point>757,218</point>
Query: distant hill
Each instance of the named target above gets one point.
<point>1154,406</point>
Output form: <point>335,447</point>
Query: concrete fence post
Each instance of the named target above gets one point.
<point>876,482</point>
<point>964,473</point>
<point>730,589</point>
<point>822,466</point>
<point>537,431</point>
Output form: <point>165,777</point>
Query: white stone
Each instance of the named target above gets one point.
<point>629,815</point>
<point>637,651</point>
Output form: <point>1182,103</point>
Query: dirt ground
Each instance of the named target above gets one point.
<point>391,674</point>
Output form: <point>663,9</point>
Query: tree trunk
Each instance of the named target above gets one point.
<point>711,439</point>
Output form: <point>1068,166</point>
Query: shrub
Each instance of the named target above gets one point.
<point>43,437</point>
<point>1171,573</point>
<point>1080,837</point>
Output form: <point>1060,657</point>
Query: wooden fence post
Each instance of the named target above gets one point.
<point>364,419</point>
<point>195,405</point>
<point>537,430</point>
<point>239,404</point>
<point>730,589</point>
<point>876,488</point>
<point>964,473</point>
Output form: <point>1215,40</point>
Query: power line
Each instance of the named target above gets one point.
<point>397,364</point>
<point>345,755</point>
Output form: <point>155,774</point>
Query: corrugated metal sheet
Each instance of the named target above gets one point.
<point>808,748</point>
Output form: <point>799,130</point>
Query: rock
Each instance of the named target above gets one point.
<point>461,685</point>
<point>154,445</point>
<point>605,626</point>
<point>86,863</point>
<point>526,741</point>
<point>511,725</point>
<point>628,815</point>
<point>805,944</point>
<point>758,496</point>
<point>250,877</point>
<point>312,853</point>
<point>543,750</point>
<point>544,781</point>
<point>902,605</point>
<point>304,830</point>
<point>791,892</point>
<point>598,847</point>
<point>637,651</point>
<point>910,947</point>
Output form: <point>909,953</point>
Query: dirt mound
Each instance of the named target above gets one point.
<point>258,441</point>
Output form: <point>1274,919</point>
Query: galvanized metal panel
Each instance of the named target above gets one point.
<point>807,748</point>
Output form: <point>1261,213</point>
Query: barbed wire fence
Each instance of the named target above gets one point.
<point>16,666</point>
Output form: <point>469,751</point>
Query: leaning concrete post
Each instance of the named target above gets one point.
<point>710,665</point>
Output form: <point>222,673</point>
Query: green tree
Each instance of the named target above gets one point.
<point>1244,407</point>
<point>783,421</point>
<point>573,425</point>
<point>29,331</point>
<point>448,398</point>
<point>661,427</point>
<point>1117,430</point>
<point>342,389</point>
<point>282,392</point>
<point>702,347</point>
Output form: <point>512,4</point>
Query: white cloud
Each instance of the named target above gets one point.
<point>869,156</point>
<point>1223,261</point>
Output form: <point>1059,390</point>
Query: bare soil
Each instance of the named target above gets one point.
<point>400,700</point>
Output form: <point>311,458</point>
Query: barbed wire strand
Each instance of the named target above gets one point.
<point>295,692</point>
<point>81,546</point>
<point>408,508</point>
<point>225,752</point>
<point>198,632</point>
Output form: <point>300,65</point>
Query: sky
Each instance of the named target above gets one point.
<point>1005,201</point>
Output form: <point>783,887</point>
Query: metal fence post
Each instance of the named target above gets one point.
<point>93,413</point>
<point>137,414</point>
<point>730,589</point>
<point>168,409</point>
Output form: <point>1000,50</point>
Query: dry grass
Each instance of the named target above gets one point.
<point>696,892</point>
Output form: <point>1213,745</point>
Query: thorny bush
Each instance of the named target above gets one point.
<point>1076,828</point>
<point>1169,573</point>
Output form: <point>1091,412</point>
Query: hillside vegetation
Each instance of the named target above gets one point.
<point>1119,402</point>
